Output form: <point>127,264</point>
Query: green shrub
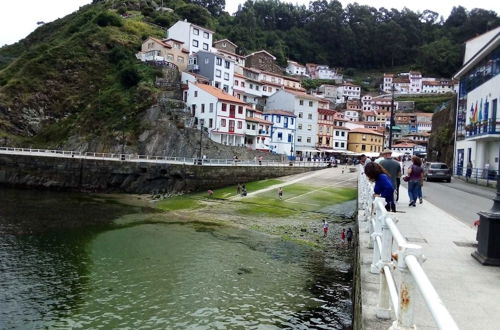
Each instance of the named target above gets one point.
<point>108,19</point>
<point>129,77</point>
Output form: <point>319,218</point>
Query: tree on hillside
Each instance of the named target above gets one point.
<point>215,7</point>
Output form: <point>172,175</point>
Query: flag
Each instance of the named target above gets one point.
<point>480,115</point>
<point>486,106</point>
<point>471,114</point>
<point>474,117</point>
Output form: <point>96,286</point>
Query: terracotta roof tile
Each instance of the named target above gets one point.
<point>279,112</point>
<point>365,130</point>
<point>220,94</point>
<point>259,120</point>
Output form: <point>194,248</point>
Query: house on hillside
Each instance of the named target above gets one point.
<point>219,70</point>
<point>325,129</point>
<point>194,37</point>
<point>262,60</point>
<point>168,50</point>
<point>305,107</point>
<point>363,140</point>
<point>223,115</point>
<point>340,132</point>
<point>228,49</point>
<point>282,131</point>
<point>296,69</point>
<point>258,130</point>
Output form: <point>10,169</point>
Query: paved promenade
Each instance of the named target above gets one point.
<point>470,291</point>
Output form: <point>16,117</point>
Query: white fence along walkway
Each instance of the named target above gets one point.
<point>399,265</point>
<point>155,159</point>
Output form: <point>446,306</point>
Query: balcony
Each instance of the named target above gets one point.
<point>483,130</point>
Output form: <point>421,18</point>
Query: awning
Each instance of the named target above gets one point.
<point>307,150</point>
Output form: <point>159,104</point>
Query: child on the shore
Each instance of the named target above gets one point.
<point>342,236</point>
<point>325,228</point>
<point>280,193</point>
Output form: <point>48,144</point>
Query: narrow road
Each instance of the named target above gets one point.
<point>459,199</point>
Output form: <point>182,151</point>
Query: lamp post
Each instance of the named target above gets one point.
<point>392,117</point>
<point>200,159</point>
<point>488,232</point>
<point>124,122</point>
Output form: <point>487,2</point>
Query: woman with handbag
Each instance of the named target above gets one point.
<point>414,178</point>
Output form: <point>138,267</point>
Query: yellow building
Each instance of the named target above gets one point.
<point>365,140</point>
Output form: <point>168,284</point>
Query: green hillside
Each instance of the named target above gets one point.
<point>75,75</point>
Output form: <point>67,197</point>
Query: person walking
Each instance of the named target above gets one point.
<point>238,189</point>
<point>280,193</point>
<point>393,168</point>
<point>468,172</point>
<point>325,228</point>
<point>342,236</point>
<point>383,185</point>
<point>349,237</point>
<point>415,175</point>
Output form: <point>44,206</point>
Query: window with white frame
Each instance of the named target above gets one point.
<point>195,43</point>
<point>309,116</point>
<point>218,73</point>
<point>299,138</point>
<point>205,35</point>
<point>205,46</point>
<point>196,32</point>
<point>218,61</point>
<point>309,140</point>
<point>226,76</point>
<point>227,64</point>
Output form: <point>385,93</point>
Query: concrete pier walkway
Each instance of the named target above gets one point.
<point>470,291</point>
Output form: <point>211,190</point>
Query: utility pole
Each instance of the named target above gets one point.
<point>392,117</point>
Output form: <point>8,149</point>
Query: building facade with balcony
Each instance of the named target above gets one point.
<point>477,131</point>
<point>168,50</point>
<point>218,69</point>
<point>282,131</point>
<point>223,115</point>
<point>305,107</point>
<point>258,130</point>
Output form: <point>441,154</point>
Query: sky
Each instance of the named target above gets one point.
<point>18,18</point>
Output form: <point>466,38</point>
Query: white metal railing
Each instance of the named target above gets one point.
<point>157,159</point>
<point>392,252</point>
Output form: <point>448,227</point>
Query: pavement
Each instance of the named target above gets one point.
<point>459,199</point>
<point>470,291</point>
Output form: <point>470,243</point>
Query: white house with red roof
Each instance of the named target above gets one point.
<point>305,107</point>
<point>223,115</point>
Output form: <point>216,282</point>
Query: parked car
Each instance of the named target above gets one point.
<point>437,171</point>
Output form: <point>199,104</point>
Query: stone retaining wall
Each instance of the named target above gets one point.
<point>114,176</point>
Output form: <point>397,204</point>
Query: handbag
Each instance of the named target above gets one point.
<point>406,178</point>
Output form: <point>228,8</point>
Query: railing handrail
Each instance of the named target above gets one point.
<point>161,159</point>
<point>383,232</point>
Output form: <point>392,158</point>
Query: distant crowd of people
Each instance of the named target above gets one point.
<point>387,172</point>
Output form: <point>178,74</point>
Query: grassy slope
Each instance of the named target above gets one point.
<point>71,71</point>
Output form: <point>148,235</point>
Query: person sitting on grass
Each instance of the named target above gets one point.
<point>383,185</point>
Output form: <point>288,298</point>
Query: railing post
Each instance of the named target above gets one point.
<point>384,301</point>
<point>377,232</point>
<point>407,289</point>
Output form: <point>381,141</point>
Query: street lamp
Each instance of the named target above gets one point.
<point>200,159</point>
<point>488,232</point>
<point>392,116</point>
<point>124,121</point>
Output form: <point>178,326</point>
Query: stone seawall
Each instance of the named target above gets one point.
<point>115,176</point>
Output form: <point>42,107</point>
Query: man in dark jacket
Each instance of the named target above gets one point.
<point>393,168</point>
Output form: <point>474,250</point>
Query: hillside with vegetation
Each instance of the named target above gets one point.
<point>75,82</point>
